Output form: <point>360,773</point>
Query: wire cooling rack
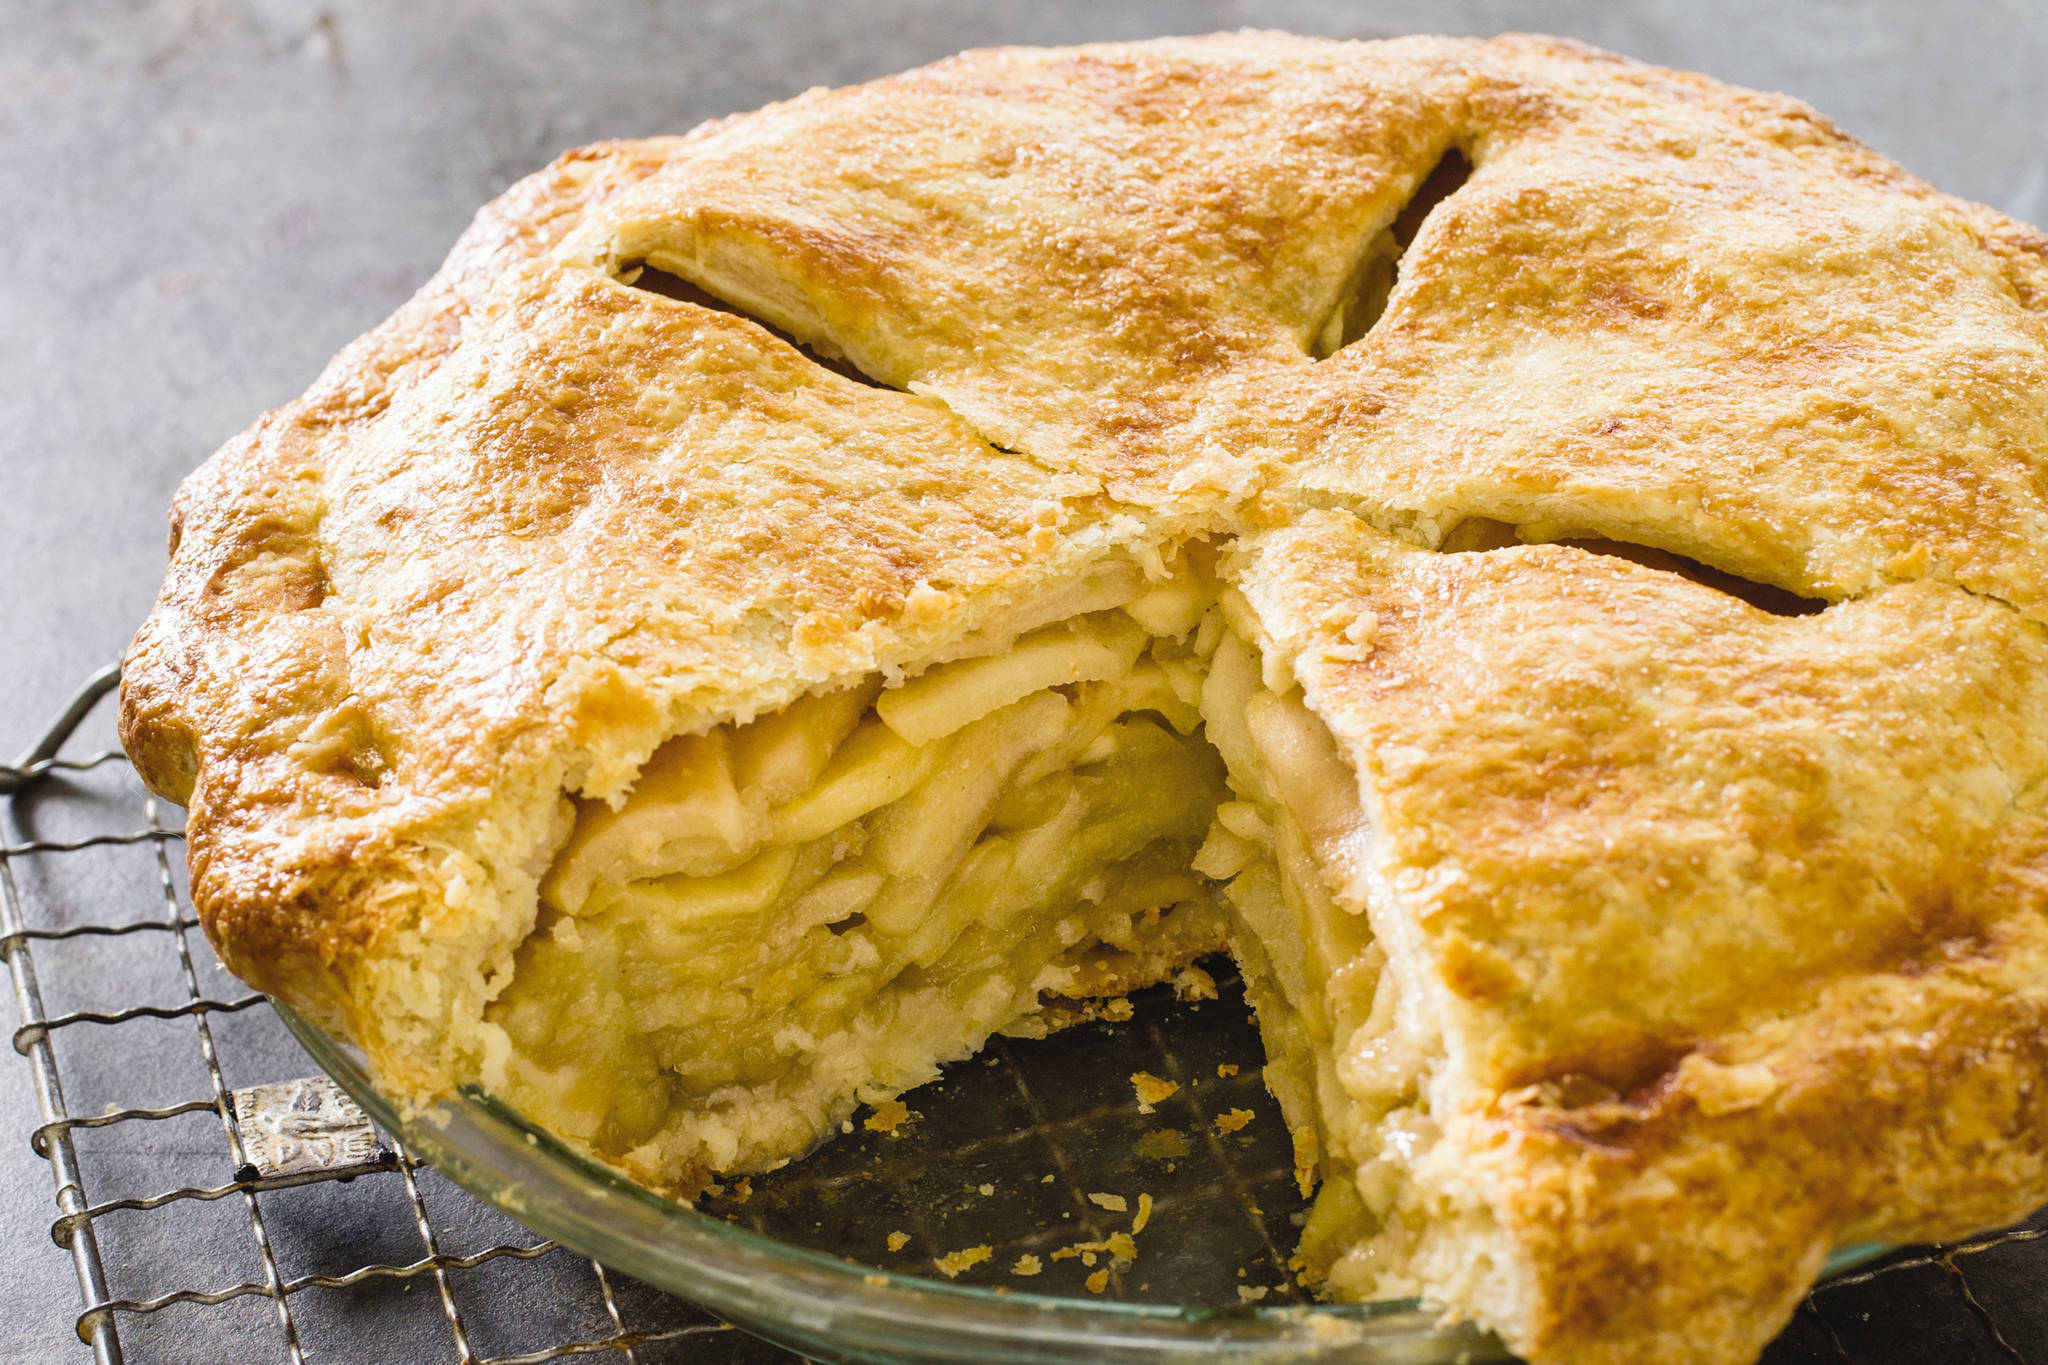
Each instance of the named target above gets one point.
<point>216,1202</point>
<point>220,1200</point>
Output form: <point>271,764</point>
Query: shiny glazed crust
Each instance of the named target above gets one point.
<point>1731,924</point>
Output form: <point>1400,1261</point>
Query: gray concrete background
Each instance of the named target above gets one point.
<point>201,201</point>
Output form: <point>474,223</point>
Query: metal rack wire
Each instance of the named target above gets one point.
<point>80,1227</point>
<point>397,1225</point>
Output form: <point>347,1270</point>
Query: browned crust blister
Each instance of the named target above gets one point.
<point>1735,920</point>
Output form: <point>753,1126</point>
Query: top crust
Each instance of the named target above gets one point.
<point>540,521</point>
<point>1734,926</point>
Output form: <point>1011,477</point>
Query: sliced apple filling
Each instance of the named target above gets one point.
<point>784,917</point>
<point>824,903</point>
<point>1350,1057</point>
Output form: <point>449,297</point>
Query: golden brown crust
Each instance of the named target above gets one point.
<point>1567,730</point>
<point>540,521</point>
<point>1735,926</point>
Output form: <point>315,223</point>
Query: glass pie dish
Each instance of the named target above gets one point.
<point>1044,1143</point>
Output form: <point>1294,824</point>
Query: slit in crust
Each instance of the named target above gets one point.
<point>1362,299</point>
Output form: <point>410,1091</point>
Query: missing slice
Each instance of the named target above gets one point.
<point>821,905</point>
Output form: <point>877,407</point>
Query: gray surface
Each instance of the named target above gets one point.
<point>205,200</point>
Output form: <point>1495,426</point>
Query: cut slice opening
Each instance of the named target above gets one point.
<point>1362,299</point>
<point>1353,1056</point>
<point>783,918</point>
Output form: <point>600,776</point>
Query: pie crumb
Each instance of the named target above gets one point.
<point>1027,1264</point>
<point>1152,1089</point>
<point>1251,1293</point>
<point>1115,1203</point>
<point>887,1117</point>
<point>1118,1244</point>
<point>1192,983</point>
<point>954,1262</point>
<point>1234,1119</point>
<point>1225,1070</point>
<point>898,1240</point>
<point>1144,1214</point>
<point>985,1190</point>
<point>1307,1150</point>
<point>1098,1282</point>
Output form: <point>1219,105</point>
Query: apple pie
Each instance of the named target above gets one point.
<point>1538,556</point>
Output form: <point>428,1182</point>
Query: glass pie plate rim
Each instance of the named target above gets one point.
<point>836,1309</point>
